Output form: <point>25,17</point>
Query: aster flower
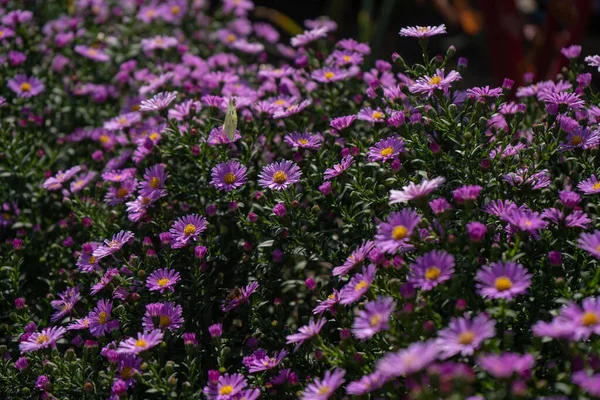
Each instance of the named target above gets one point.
<point>87,262</point>
<point>227,387</point>
<point>104,281</point>
<point>395,232</point>
<point>187,229</point>
<point>500,208</point>
<point>466,193</point>
<point>590,242</point>
<point>431,269</point>
<point>186,109</point>
<point>25,86</point>
<point>526,220</point>
<point>79,324</point>
<point>590,185</point>
<point>504,365</point>
<point>325,388</point>
<point>100,319</point>
<point>354,259</point>
<point>65,303</point>
<point>238,297</point>
<point>428,85</point>
<point>341,123</point>
<point>304,140</point>
<point>122,121</point>
<point>423,32</point>
<point>583,320</point>
<point>307,37</point>
<point>228,175</point>
<point>163,279</point>
<point>332,74</point>
<point>163,316</point>
<point>371,115</point>
<point>92,53</point>
<point>116,196</point>
<point>408,361</point>
<point>328,304</point>
<point>47,338</point>
<point>306,332</point>
<point>593,61</point>
<point>502,280</point>
<point>374,318</point>
<point>386,149</point>
<point>484,93</point>
<point>82,181</point>
<point>112,246</point>
<point>291,110</point>
<point>414,191</point>
<point>265,363</point>
<point>570,101</point>
<point>55,182</point>
<point>143,342</point>
<point>159,102</point>
<point>154,180</point>
<point>338,169</point>
<point>137,209</point>
<point>571,52</point>
<point>128,365</point>
<point>583,138</point>
<point>358,285</point>
<point>464,335</point>
<point>588,383</point>
<point>119,175</point>
<point>366,384</point>
<point>279,175</point>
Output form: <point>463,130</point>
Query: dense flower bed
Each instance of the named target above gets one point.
<point>193,208</point>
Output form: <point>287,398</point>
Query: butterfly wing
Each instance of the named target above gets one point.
<point>230,124</point>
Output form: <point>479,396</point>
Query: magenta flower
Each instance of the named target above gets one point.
<point>163,316</point>
<point>414,191</point>
<point>122,121</point>
<point>355,259</point>
<point>238,297</point>
<point>582,138</point>
<point>328,304</point>
<point>428,85</point>
<point>228,175</point>
<point>307,37</point>
<point>306,332</point>
<point>484,93</point>
<point>144,341</point>
<point>374,318</point>
<point>358,285</point>
<point>47,338</point>
<point>386,149</point>
<point>588,383</point>
<point>590,185</point>
<point>154,180</point>
<point>571,52</point>
<point>395,232</point>
<point>590,242</point>
<point>187,229</point>
<point>526,220</point>
<point>112,246</point>
<point>371,115</point>
<point>409,360</point>
<point>423,32</point>
<point>100,321</point>
<point>265,363</point>
<point>325,388</point>
<point>338,169</point>
<point>92,53</point>
<point>163,279</point>
<point>119,175</point>
<point>291,110</point>
<point>466,193</point>
<point>366,384</point>
<point>115,196</point>
<point>304,140</point>
<point>504,365</point>
<point>431,269</point>
<point>25,87</point>
<point>55,182</point>
<point>226,387</point>
<point>279,175</point>
<point>502,280</point>
<point>159,102</point>
<point>332,74</point>
<point>65,303</point>
<point>585,320</point>
<point>464,335</point>
<point>341,123</point>
<point>569,101</point>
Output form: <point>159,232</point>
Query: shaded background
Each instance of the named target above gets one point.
<point>500,38</point>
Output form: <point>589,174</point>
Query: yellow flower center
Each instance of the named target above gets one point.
<point>503,283</point>
<point>324,390</point>
<point>1,34</point>
<point>399,232</point>
<point>91,260</point>
<point>227,389</point>
<point>126,373</point>
<point>102,317</point>
<point>135,107</point>
<point>589,318</point>
<point>122,193</point>
<point>466,337</point>
<point>25,87</point>
<point>347,58</point>
<point>377,115</point>
<point>162,282</point>
<point>164,321</point>
<point>303,142</point>
<point>175,10</point>
<point>361,285</point>
<point>432,273</point>
<point>113,243</point>
<point>422,28</point>
<point>153,136</point>
<point>92,52</point>
<point>331,296</point>
<point>189,229</point>
<point>141,343</point>
<point>435,80</point>
<point>375,320</point>
<point>43,338</point>
<point>122,121</point>
<point>576,140</point>
<point>231,38</point>
<point>280,177</point>
<point>117,177</point>
<point>150,13</point>
<point>528,223</point>
<point>387,151</point>
<point>146,200</point>
<point>154,182</point>
<point>280,102</point>
<point>596,186</point>
<point>229,178</point>
<point>329,75</point>
<point>104,138</point>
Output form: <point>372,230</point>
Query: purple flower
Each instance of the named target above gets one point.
<point>366,384</point>
<point>92,53</point>
<point>428,85</point>
<point>279,175</point>
<point>159,102</point>
<point>100,321</point>
<point>431,269</point>
<point>307,37</point>
<point>504,365</point>
<point>571,101</point>
<point>370,115</point>
<point>358,285</point>
<point>116,196</point>
<point>374,318</point>
<point>476,231</point>
<point>571,52</point>
<point>238,297</point>
<point>291,110</point>
<point>163,316</point>
<point>25,87</point>
<point>386,149</point>
<point>423,32</point>
<point>439,206</point>
<point>122,121</point>
<point>65,304</point>
<point>154,181</point>
<point>187,229</point>
<point>590,185</point>
<point>304,140</point>
<point>114,245</point>
<point>338,169</point>
<point>583,321</point>
<point>583,138</point>
<point>306,332</point>
<point>119,175</point>
<point>466,193</point>
<point>144,341</point>
<point>354,259</point>
<point>21,364</point>
<point>526,220</point>
<point>265,363</point>
<point>55,182</point>
<point>588,383</point>
<point>569,199</point>
<point>325,388</point>
<point>590,242</point>
<point>279,210</point>
<point>226,387</point>
<point>502,280</point>
<point>228,175</point>
<point>464,335</point>
<point>341,123</point>
<point>327,304</point>
<point>409,360</point>
<point>41,340</point>
<point>163,279</point>
<point>415,191</point>
<point>395,232</point>
<point>484,93</point>
<point>215,330</point>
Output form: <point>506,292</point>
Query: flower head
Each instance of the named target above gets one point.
<point>374,318</point>
<point>41,340</point>
<point>187,229</point>
<point>279,175</point>
<point>322,389</point>
<point>502,280</point>
<point>386,149</point>
<point>408,361</point>
<point>114,245</point>
<point>504,365</point>
<point>163,279</point>
<point>26,87</point>
<point>358,285</point>
<point>100,320</point>
<point>395,232</point>
<point>159,102</point>
<point>464,335</point>
<point>422,32</point>
<point>228,175</point>
<point>238,297</point>
<point>431,269</point>
<point>414,191</point>
<point>163,316</point>
<point>143,342</point>
<point>306,332</point>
